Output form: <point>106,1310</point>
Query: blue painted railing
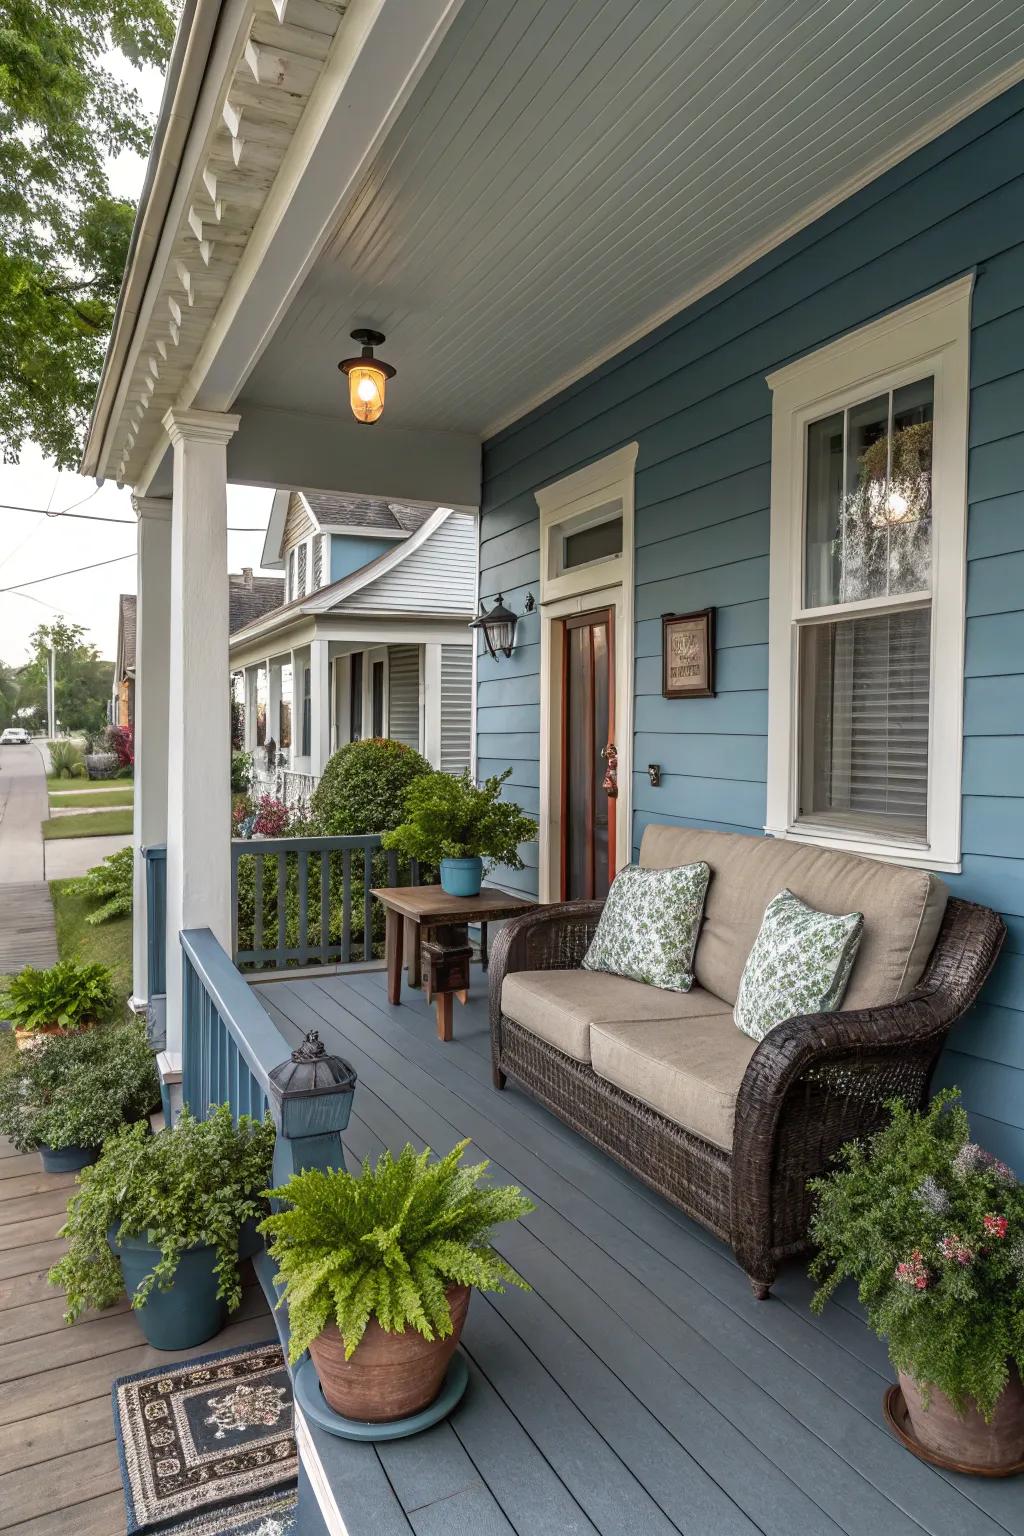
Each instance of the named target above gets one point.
<point>232,1052</point>
<point>317,890</point>
<point>156,918</point>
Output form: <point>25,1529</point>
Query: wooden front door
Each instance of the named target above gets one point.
<point>589,763</point>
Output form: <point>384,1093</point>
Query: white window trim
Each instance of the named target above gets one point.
<point>599,584</point>
<point>929,336</point>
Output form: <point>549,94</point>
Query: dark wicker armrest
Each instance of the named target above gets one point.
<point>822,1078</point>
<point>552,938</point>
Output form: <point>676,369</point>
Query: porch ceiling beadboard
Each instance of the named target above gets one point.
<point>693,394</point>
<point>567,174</point>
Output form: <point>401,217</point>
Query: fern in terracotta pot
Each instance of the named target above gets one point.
<point>377,1272</point>
<point>931,1229</point>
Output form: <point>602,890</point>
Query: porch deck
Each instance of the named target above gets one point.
<point>639,1387</point>
<point>58,1456</point>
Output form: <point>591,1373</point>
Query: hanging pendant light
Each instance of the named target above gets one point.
<point>367,378</point>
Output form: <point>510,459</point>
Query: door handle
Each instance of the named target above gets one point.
<point>610,782</point>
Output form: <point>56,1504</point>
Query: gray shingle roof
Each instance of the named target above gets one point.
<point>332,510</point>
<point>250,597</point>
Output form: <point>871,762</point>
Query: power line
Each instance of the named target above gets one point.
<point>93,517</point>
<point>58,574</point>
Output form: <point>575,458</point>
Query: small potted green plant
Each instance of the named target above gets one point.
<point>161,1216</point>
<point>70,995</point>
<point>931,1228</point>
<point>377,1272</point>
<point>67,1093</point>
<point>451,821</point>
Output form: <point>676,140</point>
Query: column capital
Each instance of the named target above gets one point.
<point>157,508</point>
<point>200,426</point>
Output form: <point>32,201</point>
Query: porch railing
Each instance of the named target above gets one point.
<point>306,900</point>
<point>296,788</point>
<point>231,1049</point>
<point>156,919</point>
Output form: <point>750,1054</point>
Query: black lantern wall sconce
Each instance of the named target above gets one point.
<point>499,625</point>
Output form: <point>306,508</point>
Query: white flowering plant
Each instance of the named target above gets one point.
<point>931,1228</point>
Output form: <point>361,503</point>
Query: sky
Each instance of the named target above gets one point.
<point>32,546</point>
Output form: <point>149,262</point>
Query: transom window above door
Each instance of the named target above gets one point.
<point>867,586</point>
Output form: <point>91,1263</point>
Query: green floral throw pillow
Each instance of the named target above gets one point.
<point>648,929</point>
<point>800,963</point>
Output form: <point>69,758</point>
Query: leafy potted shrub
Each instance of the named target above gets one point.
<point>110,883</point>
<point>161,1217</point>
<point>67,996</point>
<point>377,1272</point>
<point>448,820</point>
<point>931,1228</point>
<point>66,1094</point>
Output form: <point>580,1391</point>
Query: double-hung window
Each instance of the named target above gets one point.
<point>869,456</point>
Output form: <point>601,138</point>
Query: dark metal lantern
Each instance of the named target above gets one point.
<point>313,1073</point>
<point>499,625</point>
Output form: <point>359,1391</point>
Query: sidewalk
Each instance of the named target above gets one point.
<point>27,934</point>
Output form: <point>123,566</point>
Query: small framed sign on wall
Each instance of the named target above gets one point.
<point>688,655</point>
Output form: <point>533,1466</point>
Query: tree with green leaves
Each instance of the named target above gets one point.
<point>83,679</point>
<point>63,236</point>
<point>8,694</point>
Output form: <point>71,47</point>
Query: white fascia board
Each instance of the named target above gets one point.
<point>271,560</point>
<point>309,511</point>
<point>331,597</point>
<point>377,59</point>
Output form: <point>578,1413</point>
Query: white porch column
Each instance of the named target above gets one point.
<point>432,705</point>
<point>199,734</point>
<point>273,702</point>
<point>251,681</point>
<point>295,705</point>
<point>319,705</point>
<point>152,640</point>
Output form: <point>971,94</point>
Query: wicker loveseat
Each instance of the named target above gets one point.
<point>728,1130</point>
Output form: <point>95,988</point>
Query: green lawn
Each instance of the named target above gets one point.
<point>53,782</point>
<point>110,943</point>
<point>123,794</point>
<point>97,824</point>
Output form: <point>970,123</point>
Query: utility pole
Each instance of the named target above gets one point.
<point>51,693</point>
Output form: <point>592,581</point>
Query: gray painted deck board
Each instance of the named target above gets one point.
<point>647,1389</point>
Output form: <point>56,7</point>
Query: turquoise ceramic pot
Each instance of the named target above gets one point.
<point>67,1159</point>
<point>190,1312</point>
<point>462,877</point>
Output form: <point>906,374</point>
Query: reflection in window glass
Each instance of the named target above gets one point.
<point>869,501</point>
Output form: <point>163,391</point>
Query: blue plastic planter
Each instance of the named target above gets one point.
<point>462,877</point>
<point>190,1312</point>
<point>67,1159</point>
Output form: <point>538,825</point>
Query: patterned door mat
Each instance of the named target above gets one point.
<point>201,1434</point>
<point>272,1515</point>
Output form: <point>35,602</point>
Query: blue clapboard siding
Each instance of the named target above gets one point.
<point>693,395</point>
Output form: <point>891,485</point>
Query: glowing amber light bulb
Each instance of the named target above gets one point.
<point>367,378</point>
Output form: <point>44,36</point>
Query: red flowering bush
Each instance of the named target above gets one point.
<point>121,740</point>
<point>272,817</point>
<point>931,1228</point>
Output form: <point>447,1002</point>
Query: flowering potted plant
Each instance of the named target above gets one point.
<point>931,1228</point>
<point>377,1272</point>
<point>451,822</point>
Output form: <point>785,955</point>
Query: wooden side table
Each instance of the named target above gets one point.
<point>424,915</point>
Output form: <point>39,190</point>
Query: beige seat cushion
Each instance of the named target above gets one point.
<point>902,907</point>
<point>689,1072</point>
<point>560,1006</point>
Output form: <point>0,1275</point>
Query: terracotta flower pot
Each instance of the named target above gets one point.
<point>969,1441</point>
<point>390,1375</point>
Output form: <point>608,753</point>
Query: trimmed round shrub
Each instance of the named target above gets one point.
<point>363,787</point>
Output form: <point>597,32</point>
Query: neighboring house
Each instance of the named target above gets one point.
<point>122,702</point>
<point>372,638</point>
<point>249,597</point>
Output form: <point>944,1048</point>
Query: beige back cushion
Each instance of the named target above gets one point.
<point>902,907</point>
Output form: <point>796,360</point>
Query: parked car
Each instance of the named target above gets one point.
<point>15,736</point>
